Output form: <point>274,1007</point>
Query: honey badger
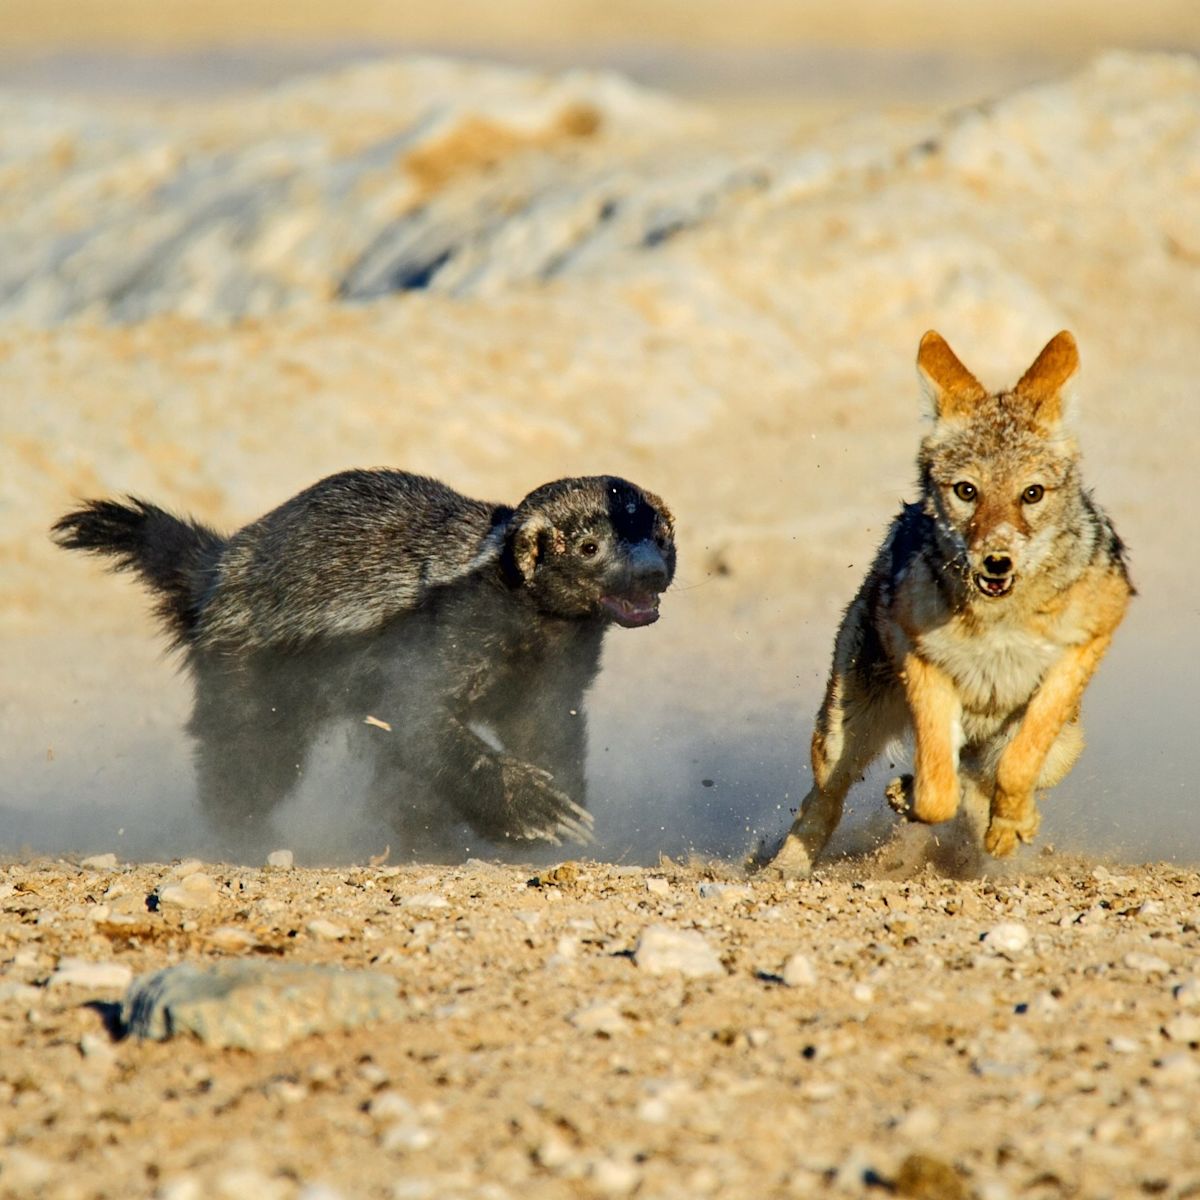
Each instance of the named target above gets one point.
<point>473,630</point>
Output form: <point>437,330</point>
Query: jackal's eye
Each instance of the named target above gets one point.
<point>589,547</point>
<point>965,491</point>
<point>1033,493</point>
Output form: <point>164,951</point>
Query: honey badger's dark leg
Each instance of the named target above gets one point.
<point>253,722</point>
<point>500,795</point>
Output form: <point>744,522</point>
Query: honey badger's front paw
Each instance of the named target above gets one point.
<point>535,810</point>
<point>1004,833</point>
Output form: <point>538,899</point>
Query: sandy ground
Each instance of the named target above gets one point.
<point>1035,1036</point>
<point>754,365</point>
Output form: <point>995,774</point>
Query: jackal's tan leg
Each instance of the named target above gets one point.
<point>936,713</point>
<point>847,737</point>
<point>1014,815</point>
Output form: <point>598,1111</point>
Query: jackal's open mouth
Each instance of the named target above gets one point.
<point>994,585</point>
<point>641,608</point>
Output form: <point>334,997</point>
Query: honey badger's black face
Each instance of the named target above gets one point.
<point>594,547</point>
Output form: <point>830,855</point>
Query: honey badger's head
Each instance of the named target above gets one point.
<point>592,547</point>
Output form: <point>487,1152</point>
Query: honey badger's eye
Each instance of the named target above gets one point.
<point>1033,493</point>
<point>965,491</point>
<point>589,548</point>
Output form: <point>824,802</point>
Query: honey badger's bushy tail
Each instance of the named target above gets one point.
<point>177,558</point>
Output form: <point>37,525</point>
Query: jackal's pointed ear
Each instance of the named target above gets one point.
<point>1044,385</point>
<point>952,390</point>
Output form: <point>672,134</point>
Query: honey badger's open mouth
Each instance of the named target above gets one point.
<point>640,608</point>
<point>994,585</point>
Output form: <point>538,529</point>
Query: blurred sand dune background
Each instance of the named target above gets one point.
<point>220,280</point>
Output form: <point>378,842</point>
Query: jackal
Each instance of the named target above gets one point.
<point>988,607</point>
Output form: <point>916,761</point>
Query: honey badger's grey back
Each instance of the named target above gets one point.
<point>342,557</point>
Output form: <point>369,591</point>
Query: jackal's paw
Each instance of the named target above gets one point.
<point>1005,832</point>
<point>536,810</point>
<point>899,795</point>
<point>792,861</point>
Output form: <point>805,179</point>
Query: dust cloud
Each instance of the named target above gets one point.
<point>721,307</point>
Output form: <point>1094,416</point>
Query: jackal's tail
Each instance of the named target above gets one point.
<point>176,558</point>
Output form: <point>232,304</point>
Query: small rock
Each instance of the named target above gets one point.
<point>285,860</point>
<point>425,900</point>
<point>231,938</point>
<point>326,931</point>
<point>798,971</point>
<point>1183,1028</point>
<point>182,1187</point>
<point>554,1152</point>
<point>99,862</point>
<point>726,893</point>
<point>656,885</point>
<point>1187,994</point>
<point>614,1177</point>
<point>661,950</point>
<point>97,1048</point>
<point>1007,938</point>
<point>1148,964</point>
<point>189,866</point>
<point>405,1137</point>
<point>25,1173</point>
<point>195,890</point>
<point>599,1018</point>
<point>919,1124</point>
<point>20,993</point>
<point>391,1106</point>
<point>256,1005</point>
<point>319,1191</point>
<point>90,974</point>
<point>863,993</point>
<point>1178,1067</point>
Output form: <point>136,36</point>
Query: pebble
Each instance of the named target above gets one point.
<point>656,885</point>
<point>614,1176</point>
<point>798,971</point>
<point>1183,1028</point>
<point>1007,938</point>
<point>25,1173</point>
<point>257,1005</point>
<point>405,1137</point>
<point>1148,964</point>
<point>231,938</point>
<point>661,950</point>
<point>726,893</point>
<point>99,862</point>
<point>425,900</point>
<point>283,859</point>
<point>326,931</point>
<point>77,972</point>
<point>195,890</point>
<point>599,1018</point>
<point>1187,994</point>
<point>20,993</point>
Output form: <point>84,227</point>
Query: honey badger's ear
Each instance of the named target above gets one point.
<point>952,390</point>
<point>1043,387</point>
<point>528,539</point>
<point>665,514</point>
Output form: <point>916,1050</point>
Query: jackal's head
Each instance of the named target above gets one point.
<point>999,472</point>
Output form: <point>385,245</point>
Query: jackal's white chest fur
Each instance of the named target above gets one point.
<point>996,669</point>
